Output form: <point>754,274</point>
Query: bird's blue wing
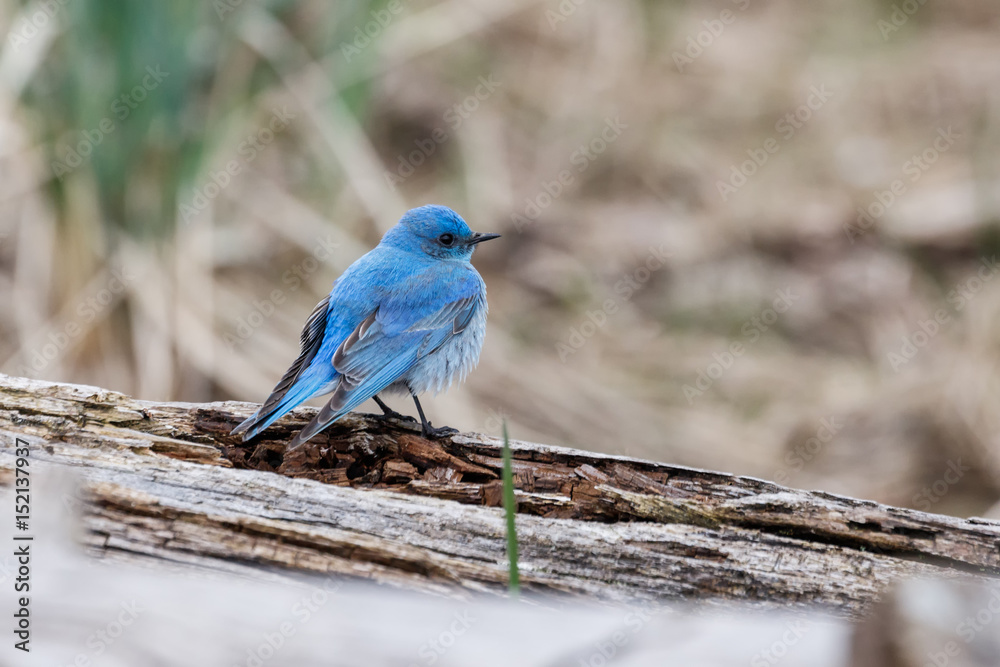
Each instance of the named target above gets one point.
<point>403,329</point>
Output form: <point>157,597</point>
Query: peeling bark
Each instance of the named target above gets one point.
<point>370,498</point>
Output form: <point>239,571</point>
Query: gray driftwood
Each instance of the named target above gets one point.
<point>164,483</point>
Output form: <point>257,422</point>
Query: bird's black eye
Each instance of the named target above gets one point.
<point>446,239</point>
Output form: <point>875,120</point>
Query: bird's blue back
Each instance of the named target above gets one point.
<point>405,287</point>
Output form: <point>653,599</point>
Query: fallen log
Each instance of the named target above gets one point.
<point>165,483</point>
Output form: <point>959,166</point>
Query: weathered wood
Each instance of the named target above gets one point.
<point>371,499</point>
<point>102,614</point>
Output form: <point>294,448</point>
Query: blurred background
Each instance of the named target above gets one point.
<point>752,236</point>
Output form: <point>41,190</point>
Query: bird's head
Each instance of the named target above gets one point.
<point>436,231</point>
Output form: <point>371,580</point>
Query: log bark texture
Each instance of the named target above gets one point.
<point>165,483</point>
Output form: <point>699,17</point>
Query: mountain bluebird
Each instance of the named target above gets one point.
<point>409,316</point>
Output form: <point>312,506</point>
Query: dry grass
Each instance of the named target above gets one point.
<point>321,183</point>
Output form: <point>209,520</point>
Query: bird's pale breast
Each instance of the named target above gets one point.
<point>452,361</point>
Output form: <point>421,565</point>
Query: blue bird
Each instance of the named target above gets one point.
<point>409,316</point>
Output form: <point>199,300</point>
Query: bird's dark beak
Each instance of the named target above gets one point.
<point>479,238</point>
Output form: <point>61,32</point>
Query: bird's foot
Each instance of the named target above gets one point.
<point>389,413</point>
<point>392,414</point>
<point>434,433</point>
<point>427,428</point>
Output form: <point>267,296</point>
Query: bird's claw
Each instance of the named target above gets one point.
<point>389,413</point>
<point>441,432</point>
<point>392,414</point>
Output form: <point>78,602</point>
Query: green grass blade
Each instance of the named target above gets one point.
<point>510,509</point>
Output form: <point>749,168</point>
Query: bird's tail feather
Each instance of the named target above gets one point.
<point>301,391</point>
<point>348,396</point>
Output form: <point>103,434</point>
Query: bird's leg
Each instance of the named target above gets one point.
<point>389,412</point>
<point>428,430</point>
